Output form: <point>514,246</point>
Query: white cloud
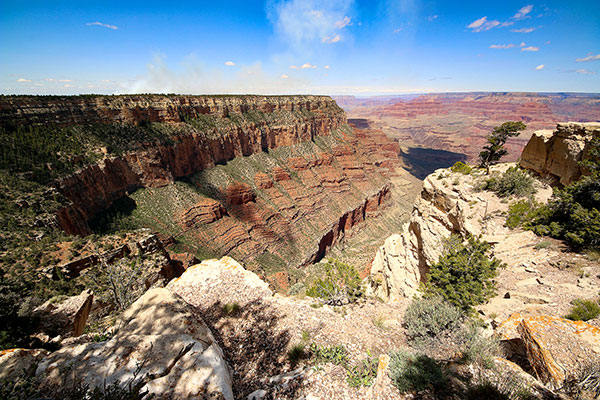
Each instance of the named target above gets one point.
<point>327,67</point>
<point>113,27</point>
<point>482,24</point>
<point>523,30</point>
<point>589,58</point>
<point>230,63</point>
<point>67,85</point>
<point>23,80</point>
<point>293,67</point>
<point>284,76</point>
<point>502,46</point>
<point>303,22</point>
<point>343,22</point>
<point>334,39</point>
<point>308,66</point>
<point>398,30</point>
<point>522,13</point>
<point>432,18</point>
<point>585,72</point>
<point>530,48</point>
<point>522,44</point>
<point>540,67</point>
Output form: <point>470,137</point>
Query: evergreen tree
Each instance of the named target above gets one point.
<point>496,140</point>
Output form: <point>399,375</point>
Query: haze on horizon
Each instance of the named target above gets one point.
<point>299,46</point>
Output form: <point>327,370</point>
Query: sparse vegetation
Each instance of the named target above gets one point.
<point>464,273</point>
<point>494,150</point>
<point>461,167</point>
<point>428,320</point>
<point>231,309</point>
<point>583,310</point>
<point>296,353</point>
<point>363,373</point>
<point>513,182</point>
<point>542,245</point>
<point>334,354</point>
<point>340,284</point>
<point>413,372</point>
<point>572,214</point>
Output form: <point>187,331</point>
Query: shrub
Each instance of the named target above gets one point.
<point>476,348</point>
<point>461,167</point>
<point>231,308</point>
<point>513,182</point>
<point>335,354</point>
<point>584,383</point>
<point>426,320</point>
<point>363,373</point>
<point>583,310</point>
<point>340,285</point>
<point>464,273</point>
<point>296,353</point>
<point>542,245</point>
<point>416,372</point>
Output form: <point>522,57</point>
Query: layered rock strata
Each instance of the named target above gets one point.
<point>556,154</point>
<point>250,125</point>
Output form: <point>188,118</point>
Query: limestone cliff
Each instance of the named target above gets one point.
<point>556,154</point>
<point>449,204</point>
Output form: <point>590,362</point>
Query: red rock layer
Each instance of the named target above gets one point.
<point>304,205</point>
<point>95,188</point>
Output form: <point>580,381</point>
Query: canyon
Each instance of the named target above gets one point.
<point>450,127</point>
<point>275,181</point>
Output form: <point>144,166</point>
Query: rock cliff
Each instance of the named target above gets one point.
<point>448,204</point>
<point>556,154</point>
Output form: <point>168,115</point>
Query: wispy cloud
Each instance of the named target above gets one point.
<point>284,76</point>
<point>432,18</point>
<point>304,22</point>
<point>303,66</point>
<point>23,80</point>
<point>530,48</point>
<point>540,67</point>
<point>523,30</point>
<point>585,72</point>
<point>523,12</point>
<point>482,24</point>
<point>113,27</point>
<point>326,67</point>
<point>589,58</point>
<point>333,39</point>
<point>57,80</point>
<point>344,22</point>
<point>230,63</point>
<point>502,46</point>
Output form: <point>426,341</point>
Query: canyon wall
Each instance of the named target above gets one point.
<point>278,121</point>
<point>556,154</point>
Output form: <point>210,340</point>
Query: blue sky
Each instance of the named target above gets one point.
<point>293,46</point>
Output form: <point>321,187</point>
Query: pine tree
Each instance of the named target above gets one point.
<point>496,140</point>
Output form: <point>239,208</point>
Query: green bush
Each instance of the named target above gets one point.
<point>296,353</point>
<point>513,182</point>
<point>334,354</point>
<point>461,167</point>
<point>426,320</point>
<point>412,372</point>
<point>476,348</point>
<point>340,285</point>
<point>363,373</point>
<point>583,310</point>
<point>464,273</point>
<point>231,308</point>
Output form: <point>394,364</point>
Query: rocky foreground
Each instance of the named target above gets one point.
<point>219,331</point>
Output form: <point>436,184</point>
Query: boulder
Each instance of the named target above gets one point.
<point>558,348</point>
<point>556,154</point>
<point>161,343</point>
<point>16,362</point>
<point>66,318</point>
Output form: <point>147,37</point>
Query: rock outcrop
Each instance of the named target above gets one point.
<point>161,343</point>
<point>556,154</point>
<point>67,318</point>
<point>449,204</point>
<point>558,348</point>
